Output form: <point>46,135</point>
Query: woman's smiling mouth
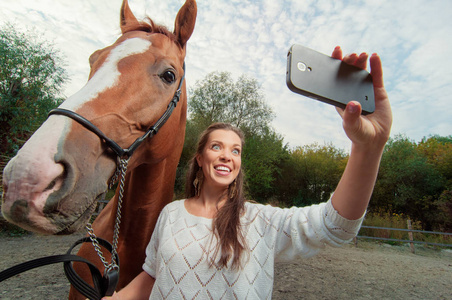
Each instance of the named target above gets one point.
<point>222,169</point>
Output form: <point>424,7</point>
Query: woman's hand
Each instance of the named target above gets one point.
<point>138,289</point>
<point>371,130</point>
<point>369,135</point>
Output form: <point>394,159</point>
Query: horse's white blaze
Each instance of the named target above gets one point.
<point>108,74</point>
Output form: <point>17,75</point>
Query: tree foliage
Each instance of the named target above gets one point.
<point>438,151</point>
<point>311,174</point>
<point>413,181</point>
<point>31,77</point>
<point>262,161</point>
<point>218,98</point>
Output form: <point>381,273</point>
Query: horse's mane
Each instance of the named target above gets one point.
<point>149,26</point>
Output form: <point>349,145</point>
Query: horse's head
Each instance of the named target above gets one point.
<point>52,184</point>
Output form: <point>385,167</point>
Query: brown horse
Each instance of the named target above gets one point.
<point>52,184</point>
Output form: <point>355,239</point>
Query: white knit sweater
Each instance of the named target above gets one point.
<point>179,247</point>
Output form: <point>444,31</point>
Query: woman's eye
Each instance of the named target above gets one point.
<point>168,76</point>
<point>236,151</point>
<point>216,147</point>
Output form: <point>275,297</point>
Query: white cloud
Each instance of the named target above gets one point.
<point>253,37</point>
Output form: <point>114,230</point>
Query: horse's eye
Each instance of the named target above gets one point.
<point>168,76</point>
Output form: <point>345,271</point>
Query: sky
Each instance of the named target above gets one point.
<point>413,39</point>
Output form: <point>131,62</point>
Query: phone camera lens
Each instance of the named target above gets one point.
<point>301,66</point>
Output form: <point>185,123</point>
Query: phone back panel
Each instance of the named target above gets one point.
<point>330,80</point>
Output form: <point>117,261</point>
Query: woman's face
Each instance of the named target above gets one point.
<point>221,158</point>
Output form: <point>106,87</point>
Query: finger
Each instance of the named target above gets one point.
<point>376,70</point>
<point>352,110</point>
<point>351,121</point>
<point>350,58</point>
<point>337,53</point>
<point>361,62</point>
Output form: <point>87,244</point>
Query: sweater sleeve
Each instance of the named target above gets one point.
<point>305,231</point>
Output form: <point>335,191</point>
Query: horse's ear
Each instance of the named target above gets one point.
<point>127,19</point>
<point>185,22</point>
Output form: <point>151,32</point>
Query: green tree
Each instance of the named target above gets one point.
<point>218,98</point>
<point>262,162</point>
<point>31,78</point>
<point>311,174</point>
<point>407,183</point>
<point>443,218</point>
<point>438,151</point>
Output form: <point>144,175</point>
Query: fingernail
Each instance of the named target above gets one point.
<point>352,108</point>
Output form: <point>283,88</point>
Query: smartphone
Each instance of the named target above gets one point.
<point>321,77</point>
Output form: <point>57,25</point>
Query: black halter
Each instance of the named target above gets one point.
<point>120,152</point>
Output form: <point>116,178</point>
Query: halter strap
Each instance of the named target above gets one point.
<point>120,152</point>
<point>103,285</point>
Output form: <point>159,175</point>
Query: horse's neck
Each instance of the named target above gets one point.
<point>148,189</point>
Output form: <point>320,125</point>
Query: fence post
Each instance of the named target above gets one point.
<point>410,235</point>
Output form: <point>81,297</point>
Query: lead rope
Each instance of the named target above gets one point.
<point>111,272</point>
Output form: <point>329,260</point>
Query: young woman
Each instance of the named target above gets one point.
<point>215,245</point>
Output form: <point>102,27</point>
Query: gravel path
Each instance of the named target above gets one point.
<point>370,271</point>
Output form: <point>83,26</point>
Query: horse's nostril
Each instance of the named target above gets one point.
<point>57,182</point>
<point>51,185</point>
<point>19,211</point>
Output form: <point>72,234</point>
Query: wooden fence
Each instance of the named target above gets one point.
<point>411,239</point>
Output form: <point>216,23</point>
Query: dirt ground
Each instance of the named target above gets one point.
<point>370,271</point>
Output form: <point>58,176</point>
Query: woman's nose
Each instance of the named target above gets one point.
<point>225,155</point>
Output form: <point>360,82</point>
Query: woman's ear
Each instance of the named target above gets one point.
<point>199,160</point>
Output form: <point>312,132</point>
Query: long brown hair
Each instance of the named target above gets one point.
<point>226,224</point>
